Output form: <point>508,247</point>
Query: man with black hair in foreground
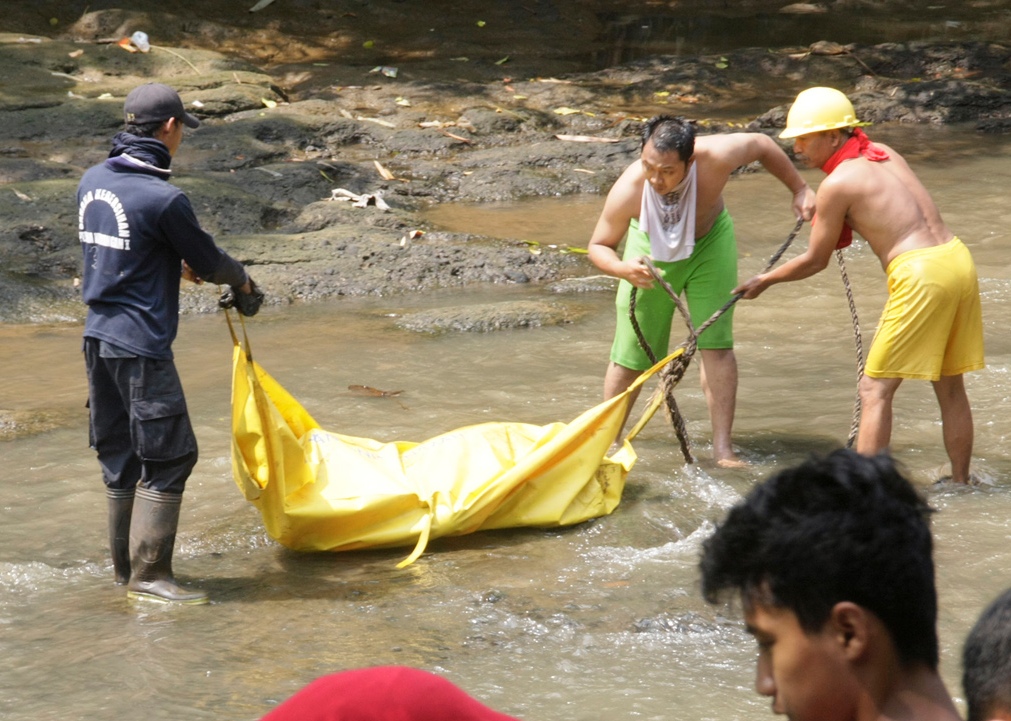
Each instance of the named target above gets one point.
<point>986,663</point>
<point>833,563</point>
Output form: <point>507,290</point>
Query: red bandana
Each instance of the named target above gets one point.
<point>858,145</point>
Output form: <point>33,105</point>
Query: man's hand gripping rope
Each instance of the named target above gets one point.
<point>248,304</point>
<point>672,374</point>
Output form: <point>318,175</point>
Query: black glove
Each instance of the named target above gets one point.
<point>246,303</point>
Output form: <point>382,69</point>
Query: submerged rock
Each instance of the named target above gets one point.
<point>488,317</point>
<point>19,424</point>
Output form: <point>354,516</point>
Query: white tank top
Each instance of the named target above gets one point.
<point>669,220</point>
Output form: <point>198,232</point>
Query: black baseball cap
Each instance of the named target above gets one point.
<point>155,103</point>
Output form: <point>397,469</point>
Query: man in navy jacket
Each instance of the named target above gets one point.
<point>139,236</point>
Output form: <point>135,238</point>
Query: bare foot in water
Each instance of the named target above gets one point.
<point>731,462</point>
<point>973,481</point>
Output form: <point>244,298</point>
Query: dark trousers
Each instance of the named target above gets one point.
<point>139,423</point>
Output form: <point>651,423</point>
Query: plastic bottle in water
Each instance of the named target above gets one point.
<point>140,39</point>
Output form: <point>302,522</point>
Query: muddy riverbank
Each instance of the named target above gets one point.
<point>310,105</point>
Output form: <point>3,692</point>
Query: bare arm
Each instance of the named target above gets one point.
<point>737,149</point>
<point>621,206</point>
<point>832,208</point>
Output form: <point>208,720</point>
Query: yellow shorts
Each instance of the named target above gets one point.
<point>932,324</point>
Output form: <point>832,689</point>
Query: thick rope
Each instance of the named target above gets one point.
<point>672,374</point>
<point>245,336</point>
<point>858,342</point>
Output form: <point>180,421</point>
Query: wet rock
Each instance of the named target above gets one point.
<point>487,317</point>
<point>827,47</point>
<point>334,213</point>
<point>32,299</point>
<point>996,125</point>
<point>19,424</point>
<point>282,185</point>
<point>38,237</point>
<point>918,83</point>
<point>516,276</point>
<point>16,170</point>
<point>258,175</point>
<point>69,121</point>
<point>489,121</point>
<point>426,142</point>
<point>226,206</point>
<point>803,9</point>
<point>510,183</point>
<point>231,98</point>
<point>589,284</point>
<point>359,259</point>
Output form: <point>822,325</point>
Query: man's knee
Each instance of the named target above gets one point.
<point>950,387</point>
<point>877,390</point>
<point>719,357</point>
<point>169,476</point>
<point>618,378</point>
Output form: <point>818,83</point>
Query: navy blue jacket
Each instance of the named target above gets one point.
<point>135,229</point>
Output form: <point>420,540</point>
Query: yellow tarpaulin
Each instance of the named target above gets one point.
<point>323,491</point>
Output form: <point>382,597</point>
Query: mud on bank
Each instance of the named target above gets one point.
<point>284,129</point>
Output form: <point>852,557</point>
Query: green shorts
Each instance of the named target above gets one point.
<point>707,278</point>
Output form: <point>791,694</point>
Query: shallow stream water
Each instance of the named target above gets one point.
<point>600,621</point>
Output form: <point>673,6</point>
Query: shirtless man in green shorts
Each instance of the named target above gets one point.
<point>669,202</point>
<point>932,326</point>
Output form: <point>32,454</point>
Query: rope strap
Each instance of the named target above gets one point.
<point>674,371</point>
<point>858,342</point>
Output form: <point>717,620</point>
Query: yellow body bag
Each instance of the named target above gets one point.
<point>323,491</point>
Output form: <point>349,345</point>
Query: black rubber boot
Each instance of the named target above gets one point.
<point>152,539</point>
<point>120,510</point>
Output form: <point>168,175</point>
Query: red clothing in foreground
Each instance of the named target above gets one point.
<point>383,693</point>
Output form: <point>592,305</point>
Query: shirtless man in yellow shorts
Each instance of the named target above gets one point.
<point>669,203</point>
<point>932,326</point>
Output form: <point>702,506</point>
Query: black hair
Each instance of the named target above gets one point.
<point>143,130</point>
<point>844,527</point>
<point>986,661</point>
<point>670,135</point>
